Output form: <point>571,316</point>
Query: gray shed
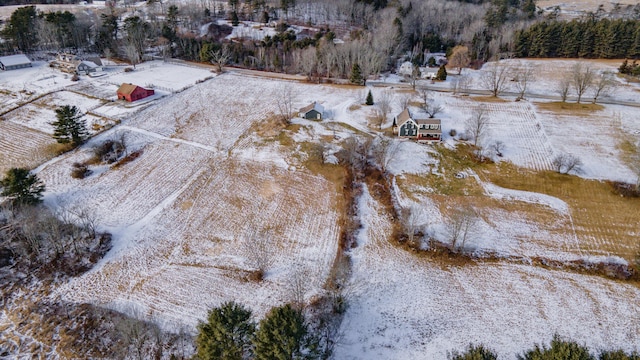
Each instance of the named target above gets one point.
<point>13,62</point>
<point>313,111</point>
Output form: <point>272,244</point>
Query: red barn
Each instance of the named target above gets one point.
<point>132,92</point>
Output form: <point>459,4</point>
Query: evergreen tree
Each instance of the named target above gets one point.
<point>234,19</point>
<point>21,28</point>
<point>369,100</point>
<point>69,127</point>
<point>356,74</point>
<point>618,355</point>
<point>22,187</point>
<point>227,333</point>
<point>442,73</point>
<point>475,353</point>
<point>283,335</point>
<point>560,349</point>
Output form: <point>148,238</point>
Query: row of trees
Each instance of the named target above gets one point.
<point>584,38</point>
<point>230,334</point>
<point>559,349</point>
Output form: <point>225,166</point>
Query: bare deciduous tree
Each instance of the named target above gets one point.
<point>284,101</point>
<point>581,79</point>
<point>460,57</point>
<point>132,54</point>
<point>428,104</point>
<point>411,217</point>
<point>460,225</point>
<point>476,125</point>
<point>565,163</point>
<point>603,84</point>
<point>404,100</point>
<point>221,57</point>
<point>498,147</point>
<point>384,105</point>
<point>523,77</point>
<point>258,247</point>
<point>384,151</point>
<point>562,87</point>
<point>496,78</point>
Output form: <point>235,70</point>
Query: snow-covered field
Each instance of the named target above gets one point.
<point>187,214</point>
<point>403,307</point>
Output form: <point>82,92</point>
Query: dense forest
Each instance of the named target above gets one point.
<point>375,34</point>
<point>584,38</point>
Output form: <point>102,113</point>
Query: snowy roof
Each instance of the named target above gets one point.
<point>313,106</point>
<point>14,60</point>
<point>90,64</point>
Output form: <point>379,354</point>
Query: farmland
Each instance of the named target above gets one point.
<point>221,203</point>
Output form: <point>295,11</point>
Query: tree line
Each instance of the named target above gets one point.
<point>583,38</point>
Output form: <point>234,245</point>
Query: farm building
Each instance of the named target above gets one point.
<point>13,62</point>
<point>422,130</point>
<point>312,112</point>
<point>130,92</point>
<point>87,67</point>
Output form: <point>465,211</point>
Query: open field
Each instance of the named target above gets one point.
<point>222,190</point>
<point>21,146</point>
<point>406,307</point>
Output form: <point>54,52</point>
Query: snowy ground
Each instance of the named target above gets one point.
<point>182,213</point>
<point>403,307</point>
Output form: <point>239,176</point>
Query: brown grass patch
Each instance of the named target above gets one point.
<point>568,108</point>
<point>56,149</point>
<point>270,127</point>
<point>493,99</point>
<point>354,107</point>
<point>605,223</point>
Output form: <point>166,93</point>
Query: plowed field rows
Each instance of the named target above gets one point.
<point>21,146</point>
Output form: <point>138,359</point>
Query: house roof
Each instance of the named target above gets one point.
<point>313,106</point>
<point>15,60</point>
<point>428,121</point>
<point>90,64</point>
<point>403,116</point>
<point>127,89</point>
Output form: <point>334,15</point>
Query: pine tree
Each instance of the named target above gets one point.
<point>356,74</point>
<point>283,335</point>
<point>442,73</point>
<point>227,333</point>
<point>369,100</point>
<point>70,127</point>
<point>475,353</point>
<point>234,19</point>
<point>560,349</point>
<point>22,187</point>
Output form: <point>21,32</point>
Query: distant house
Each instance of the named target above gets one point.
<point>66,62</point>
<point>425,130</point>
<point>130,92</point>
<point>428,73</point>
<point>86,67</point>
<point>13,62</point>
<point>313,111</point>
<point>406,68</point>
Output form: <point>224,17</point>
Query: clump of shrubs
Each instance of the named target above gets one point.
<point>128,69</point>
<point>109,151</point>
<point>624,189</point>
<point>80,170</point>
<point>560,349</point>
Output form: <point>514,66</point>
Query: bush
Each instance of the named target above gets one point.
<point>475,353</point>
<point>618,355</point>
<point>560,350</point>
<point>128,69</point>
<point>75,77</point>
<point>109,151</point>
<point>565,163</point>
<point>453,132</point>
<point>80,171</point>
